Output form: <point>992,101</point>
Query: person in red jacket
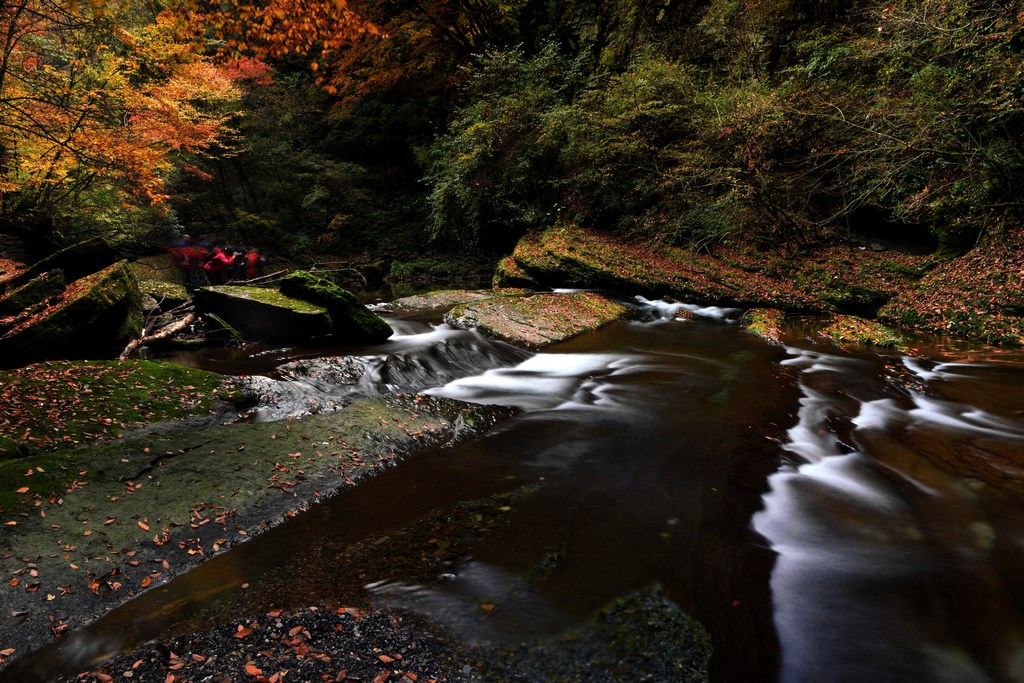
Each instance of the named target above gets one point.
<point>220,260</point>
<point>253,259</point>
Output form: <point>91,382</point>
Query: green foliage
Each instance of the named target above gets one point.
<point>779,133</point>
<point>491,175</point>
<point>919,113</point>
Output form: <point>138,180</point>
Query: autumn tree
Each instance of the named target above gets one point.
<point>100,104</point>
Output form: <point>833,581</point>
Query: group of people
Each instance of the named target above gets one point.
<point>203,262</point>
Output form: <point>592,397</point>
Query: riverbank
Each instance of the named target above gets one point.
<point>642,637</point>
<point>975,296</point>
<point>93,527</point>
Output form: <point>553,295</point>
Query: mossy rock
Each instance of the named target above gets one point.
<point>765,323</point>
<point>510,274</point>
<point>539,320</point>
<point>76,261</point>
<point>350,319</point>
<point>258,314</point>
<point>93,318</point>
<point>442,298</point>
<point>572,256</point>
<point>35,291</point>
<point>849,329</point>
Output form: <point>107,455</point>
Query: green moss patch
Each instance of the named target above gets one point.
<point>349,317</point>
<point>765,323</point>
<point>270,296</point>
<point>848,329</point>
<point>979,295</point>
<point>538,320</point>
<point>66,403</point>
<point>509,273</point>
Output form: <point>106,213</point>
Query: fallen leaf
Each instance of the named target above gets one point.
<point>253,670</point>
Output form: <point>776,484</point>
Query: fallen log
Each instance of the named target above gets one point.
<point>162,333</point>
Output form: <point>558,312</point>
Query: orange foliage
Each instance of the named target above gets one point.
<point>276,28</point>
<point>89,99</point>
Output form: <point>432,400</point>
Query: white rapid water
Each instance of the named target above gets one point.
<point>888,565</point>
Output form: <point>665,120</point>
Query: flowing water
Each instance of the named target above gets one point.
<point>828,516</point>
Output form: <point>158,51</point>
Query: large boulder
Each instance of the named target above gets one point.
<point>34,292</point>
<point>76,261</point>
<point>93,317</point>
<point>539,320</point>
<point>350,319</point>
<point>260,314</point>
<point>572,256</point>
<point>298,313</point>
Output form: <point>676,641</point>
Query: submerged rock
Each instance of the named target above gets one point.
<point>168,501</point>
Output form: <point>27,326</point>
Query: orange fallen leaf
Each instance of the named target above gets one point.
<point>23,489</point>
<point>253,670</point>
<point>242,631</point>
<point>143,525</point>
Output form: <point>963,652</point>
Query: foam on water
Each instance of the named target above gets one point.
<point>544,381</point>
<point>668,311</point>
<point>844,526</point>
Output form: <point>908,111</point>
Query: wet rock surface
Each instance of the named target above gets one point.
<point>539,320</point>
<point>135,513</point>
<point>445,299</point>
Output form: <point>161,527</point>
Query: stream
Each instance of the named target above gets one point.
<point>826,515</point>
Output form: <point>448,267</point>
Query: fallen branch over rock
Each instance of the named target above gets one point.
<point>162,333</point>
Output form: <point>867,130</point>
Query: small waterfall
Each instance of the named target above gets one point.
<point>417,357</point>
